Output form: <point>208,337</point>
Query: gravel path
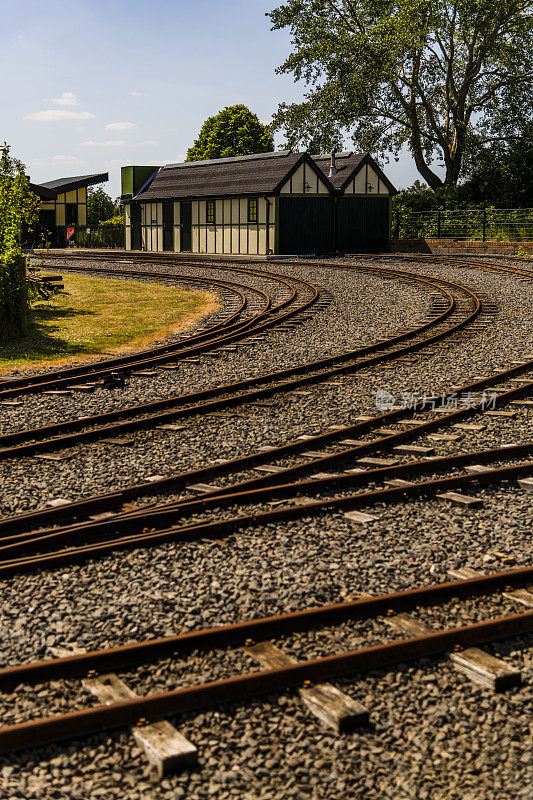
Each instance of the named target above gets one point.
<point>434,734</point>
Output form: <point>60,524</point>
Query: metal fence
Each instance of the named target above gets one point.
<point>481,224</point>
<point>95,236</point>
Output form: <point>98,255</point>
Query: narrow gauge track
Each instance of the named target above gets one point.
<point>225,332</point>
<point>466,305</point>
<point>423,258</point>
<point>241,687</point>
<point>78,724</point>
<point>146,525</point>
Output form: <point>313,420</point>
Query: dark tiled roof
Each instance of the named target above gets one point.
<point>346,163</point>
<point>255,174</point>
<point>75,182</point>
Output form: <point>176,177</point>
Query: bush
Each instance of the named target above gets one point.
<point>18,214</point>
<point>117,219</point>
<point>13,295</point>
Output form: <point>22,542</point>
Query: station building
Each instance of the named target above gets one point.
<point>268,203</point>
<point>64,204</point>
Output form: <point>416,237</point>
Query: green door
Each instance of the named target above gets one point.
<point>362,223</point>
<point>305,224</point>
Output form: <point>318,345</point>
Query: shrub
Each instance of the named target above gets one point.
<point>18,213</point>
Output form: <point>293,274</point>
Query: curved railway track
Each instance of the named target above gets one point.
<point>225,332</point>
<point>30,541</point>
<point>460,311</point>
<point>147,526</point>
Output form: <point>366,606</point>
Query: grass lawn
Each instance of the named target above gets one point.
<point>101,315</point>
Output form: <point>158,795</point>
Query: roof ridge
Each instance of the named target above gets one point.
<point>231,159</point>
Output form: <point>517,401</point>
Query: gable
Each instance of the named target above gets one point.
<point>305,180</point>
<point>357,173</point>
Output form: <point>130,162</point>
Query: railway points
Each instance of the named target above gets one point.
<point>312,511</point>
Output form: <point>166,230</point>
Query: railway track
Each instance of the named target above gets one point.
<point>453,317</point>
<point>222,333</point>
<point>151,708</point>
<point>280,482</point>
<point>297,485</point>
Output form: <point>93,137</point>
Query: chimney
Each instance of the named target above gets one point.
<point>332,167</point>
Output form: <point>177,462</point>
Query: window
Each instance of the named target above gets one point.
<point>71,214</point>
<point>210,212</point>
<point>252,209</point>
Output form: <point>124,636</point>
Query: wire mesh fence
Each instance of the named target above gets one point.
<point>96,236</point>
<point>481,224</point>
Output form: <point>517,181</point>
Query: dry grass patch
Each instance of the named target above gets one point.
<point>94,316</point>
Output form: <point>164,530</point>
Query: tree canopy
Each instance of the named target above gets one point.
<point>100,206</point>
<point>18,204</point>
<point>501,174</point>
<point>18,213</point>
<point>436,76</point>
<point>234,131</point>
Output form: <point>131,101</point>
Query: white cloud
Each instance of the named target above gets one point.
<point>149,141</point>
<point>67,159</point>
<point>66,99</point>
<point>136,94</point>
<point>56,114</point>
<point>108,143</point>
<point>114,163</point>
<point>121,126</point>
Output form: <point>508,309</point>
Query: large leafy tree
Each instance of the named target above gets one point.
<point>430,75</point>
<point>100,206</point>
<point>502,174</point>
<point>234,131</point>
<point>18,214</point>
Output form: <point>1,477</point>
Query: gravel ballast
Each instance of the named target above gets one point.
<point>433,734</point>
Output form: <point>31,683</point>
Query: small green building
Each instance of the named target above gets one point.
<point>283,202</point>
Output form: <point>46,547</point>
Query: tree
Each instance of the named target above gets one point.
<point>435,76</point>
<point>234,131</point>
<point>502,174</point>
<point>18,213</point>
<point>100,206</point>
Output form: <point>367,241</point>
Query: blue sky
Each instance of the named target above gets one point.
<point>90,86</point>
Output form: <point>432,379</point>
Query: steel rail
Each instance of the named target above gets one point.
<point>77,724</point>
<point>155,517</point>
<point>180,400</point>
<point>118,361</point>
<point>223,528</point>
<point>436,258</point>
<point>98,369</point>
<point>237,633</point>
<point>110,499</point>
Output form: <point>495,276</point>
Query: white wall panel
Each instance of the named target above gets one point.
<point>252,240</point>
<point>262,240</point>
<point>227,239</point>
<point>360,182</point>
<point>372,181</point>
<point>235,239</point>
<point>298,181</point>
